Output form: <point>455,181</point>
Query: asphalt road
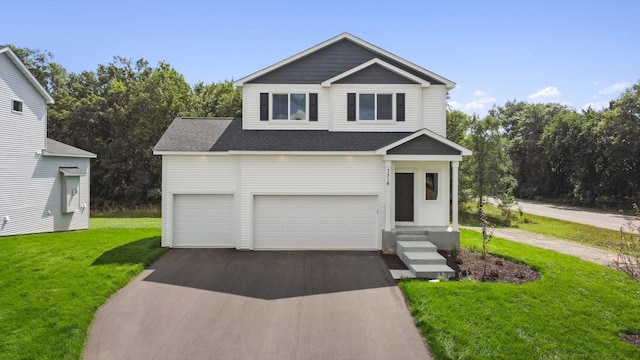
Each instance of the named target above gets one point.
<point>577,215</point>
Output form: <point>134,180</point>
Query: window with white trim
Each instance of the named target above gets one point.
<point>375,106</point>
<point>16,106</point>
<point>431,186</point>
<point>289,107</point>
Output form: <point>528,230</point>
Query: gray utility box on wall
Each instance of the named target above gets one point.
<point>71,188</point>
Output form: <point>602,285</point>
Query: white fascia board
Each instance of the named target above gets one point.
<point>191,153</point>
<point>50,154</point>
<point>464,151</point>
<point>384,64</point>
<point>422,157</point>
<point>448,83</point>
<point>304,153</point>
<point>23,69</point>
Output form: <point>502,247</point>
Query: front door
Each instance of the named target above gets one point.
<point>404,196</point>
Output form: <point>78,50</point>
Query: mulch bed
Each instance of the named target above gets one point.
<point>633,339</point>
<point>469,264</point>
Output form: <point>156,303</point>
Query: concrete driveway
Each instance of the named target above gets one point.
<point>226,304</point>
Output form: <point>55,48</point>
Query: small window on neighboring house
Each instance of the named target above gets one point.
<point>289,107</point>
<point>431,192</point>
<point>17,106</point>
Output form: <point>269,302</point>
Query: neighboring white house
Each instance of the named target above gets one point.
<point>338,147</point>
<point>44,184</point>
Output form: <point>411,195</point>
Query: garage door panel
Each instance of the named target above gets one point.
<point>203,221</point>
<point>315,222</point>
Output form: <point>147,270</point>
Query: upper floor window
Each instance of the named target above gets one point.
<point>289,106</point>
<point>374,106</point>
<point>16,106</point>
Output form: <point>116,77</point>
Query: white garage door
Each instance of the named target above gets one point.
<point>203,221</point>
<point>315,222</point>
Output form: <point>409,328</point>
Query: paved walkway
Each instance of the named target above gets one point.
<point>594,255</point>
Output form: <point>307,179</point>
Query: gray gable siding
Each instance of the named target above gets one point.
<point>375,74</point>
<point>327,63</point>
<point>423,145</point>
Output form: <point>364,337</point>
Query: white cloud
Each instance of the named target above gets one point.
<point>545,94</point>
<point>455,105</point>
<point>474,105</point>
<point>596,105</point>
<point>614,89</point>
<point>478,93</point>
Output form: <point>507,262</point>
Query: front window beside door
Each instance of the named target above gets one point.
<point>431,186</point>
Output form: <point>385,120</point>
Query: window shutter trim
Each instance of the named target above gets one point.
<point>400,107</point>
<point>313,107</point>
<point>351,106</point>
<point>264,106</point>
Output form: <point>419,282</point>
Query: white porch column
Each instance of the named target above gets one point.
<point>388,174</point>
<point>454,195</point>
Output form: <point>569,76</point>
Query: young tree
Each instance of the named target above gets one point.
<point>488,172</point>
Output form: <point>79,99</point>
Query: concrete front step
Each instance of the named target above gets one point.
<point>421,257</point>
<point>410,231</point>
<point>409,246</point>
<point>414,237</point>
<point>431,271</point>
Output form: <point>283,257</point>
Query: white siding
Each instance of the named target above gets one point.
<point>33,198</point>
<point>251,107</point>
<point>30,184</point>
<point>194,175</point>
<point>434,112</point>
<point>413,108</point>
<point>428,212</point>
<point>424,107</point>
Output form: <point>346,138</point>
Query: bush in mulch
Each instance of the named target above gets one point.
<point>469,264</point>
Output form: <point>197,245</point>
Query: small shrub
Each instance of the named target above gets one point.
<point>630,246</point>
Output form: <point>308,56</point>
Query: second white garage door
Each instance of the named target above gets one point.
<point>203,221</point>
<point>315,222</point>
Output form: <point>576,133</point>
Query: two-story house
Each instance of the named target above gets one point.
<point>44,184</point>
<point>339,147</point>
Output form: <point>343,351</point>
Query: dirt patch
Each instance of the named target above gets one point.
<point>633,339</point>
<point>469,264</point>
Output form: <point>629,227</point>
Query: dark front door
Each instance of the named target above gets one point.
<point>404,196</point>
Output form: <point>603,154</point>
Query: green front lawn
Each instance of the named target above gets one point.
<point>52,284</point>
<point>576,311</point>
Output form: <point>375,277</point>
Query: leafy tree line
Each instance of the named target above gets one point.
<point>549,151</point>
<point>119,111</point>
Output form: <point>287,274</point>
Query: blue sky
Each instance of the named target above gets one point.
<point>571,52</point>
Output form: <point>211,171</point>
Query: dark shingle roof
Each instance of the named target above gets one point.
<point>224,134</point>
<point>56,148</point>
<point>192,134</point>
